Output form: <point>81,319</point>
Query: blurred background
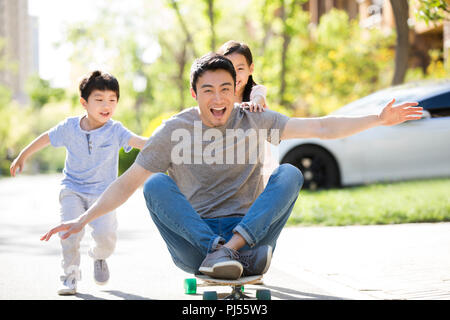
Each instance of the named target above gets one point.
<point>313,56</point>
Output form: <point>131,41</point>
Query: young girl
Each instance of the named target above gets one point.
<point>92,141</point>
<point>249,94</point>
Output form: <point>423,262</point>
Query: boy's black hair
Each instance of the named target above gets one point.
<point>210,62</point>
<point>240,47</point>
<point>98,80</point>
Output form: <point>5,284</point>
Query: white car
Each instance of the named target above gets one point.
<point>411,150</point>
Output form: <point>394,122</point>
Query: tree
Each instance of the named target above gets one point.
<point>426,10</point>
<point>436,11</point>
<point>41,92</point>
<point>211,18</point>
<point>286,36</point>
<point>280,19</point>
<point>189,38</point>
<point>181,54</point>
<point>432,10</point>
<point>401,15</point>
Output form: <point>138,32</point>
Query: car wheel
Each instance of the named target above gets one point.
<point>319,168</point>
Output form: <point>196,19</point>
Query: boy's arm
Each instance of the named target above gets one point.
<point>114,196</point>
<point>334,127</point>
<point>37,144</point>
<point>137,142</point>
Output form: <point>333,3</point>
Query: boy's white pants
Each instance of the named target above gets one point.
<point>74,204</point>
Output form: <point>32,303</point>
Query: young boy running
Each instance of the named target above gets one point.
<point>92,143</point>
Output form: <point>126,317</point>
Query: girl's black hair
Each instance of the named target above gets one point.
<point>239,47</point>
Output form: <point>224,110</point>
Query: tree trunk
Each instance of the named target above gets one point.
<point>267,27</point>
<point>182,60</point>
<point>211,24</point>
<point>286,40</point>
<point>401,15</point>
<point>184,27</point>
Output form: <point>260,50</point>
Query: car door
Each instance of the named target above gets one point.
<point>413,149</point>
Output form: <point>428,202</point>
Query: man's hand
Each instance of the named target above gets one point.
<point>392,115</point>
<point>72,227</point>
<point>114,196</point>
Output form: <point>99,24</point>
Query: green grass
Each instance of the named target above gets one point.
<point>403,202</point>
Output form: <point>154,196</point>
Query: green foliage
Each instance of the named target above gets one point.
<point>331,65</point>
<point>5,129</point>
<point>402,202</point>
<point>431,10</point>
<point>21,125</point>
<point>435,70</point>
<point>324,67</point>
<point>40,92</point>
<point>5,97</point>
<point>126,159</point>
<point>334,29</point>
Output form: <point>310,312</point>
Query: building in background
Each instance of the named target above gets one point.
<point>20,37</point>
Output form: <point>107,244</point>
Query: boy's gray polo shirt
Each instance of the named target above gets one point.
<point>213,189</point>
<point>92,157</point>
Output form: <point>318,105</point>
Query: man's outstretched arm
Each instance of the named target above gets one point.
<point>114,196</point>
<point>334,127</point>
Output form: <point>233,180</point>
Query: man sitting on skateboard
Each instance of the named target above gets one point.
<point>212,209</point>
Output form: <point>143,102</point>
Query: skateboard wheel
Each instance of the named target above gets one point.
<point>263,294</point>
<point>190,286</point>
<point>210,295</point>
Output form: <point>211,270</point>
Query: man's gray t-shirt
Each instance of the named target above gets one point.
<point>219,170</point>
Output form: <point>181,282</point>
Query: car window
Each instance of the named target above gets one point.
<point>439,113</point>
<point>438,106</point>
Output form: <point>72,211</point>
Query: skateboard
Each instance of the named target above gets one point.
<point>237,293</point>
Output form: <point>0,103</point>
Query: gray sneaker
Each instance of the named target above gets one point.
<point>222,264</point>
<point>101,272</point>
<point>256,261</point>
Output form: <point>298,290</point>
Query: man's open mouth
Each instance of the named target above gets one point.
<point>104,114</point>
<point>218,111</point>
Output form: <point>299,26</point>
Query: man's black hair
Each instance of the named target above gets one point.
<point>211,62</point>
<point>98,80</point>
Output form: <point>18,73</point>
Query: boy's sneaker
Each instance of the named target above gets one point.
<point>69,285</point>
<point>256,261</point>
<point>101,272</point>
<point>222,264</point>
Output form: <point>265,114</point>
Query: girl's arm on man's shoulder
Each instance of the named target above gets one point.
<point>137,142</point>
<point>258,95</point>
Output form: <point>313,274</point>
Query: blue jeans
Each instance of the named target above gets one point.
<point>190,238</point>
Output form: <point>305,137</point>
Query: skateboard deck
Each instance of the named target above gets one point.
<point>237,286</point>
<point>208,281</point>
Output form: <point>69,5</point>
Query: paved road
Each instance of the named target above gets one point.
<point>360,262</point>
